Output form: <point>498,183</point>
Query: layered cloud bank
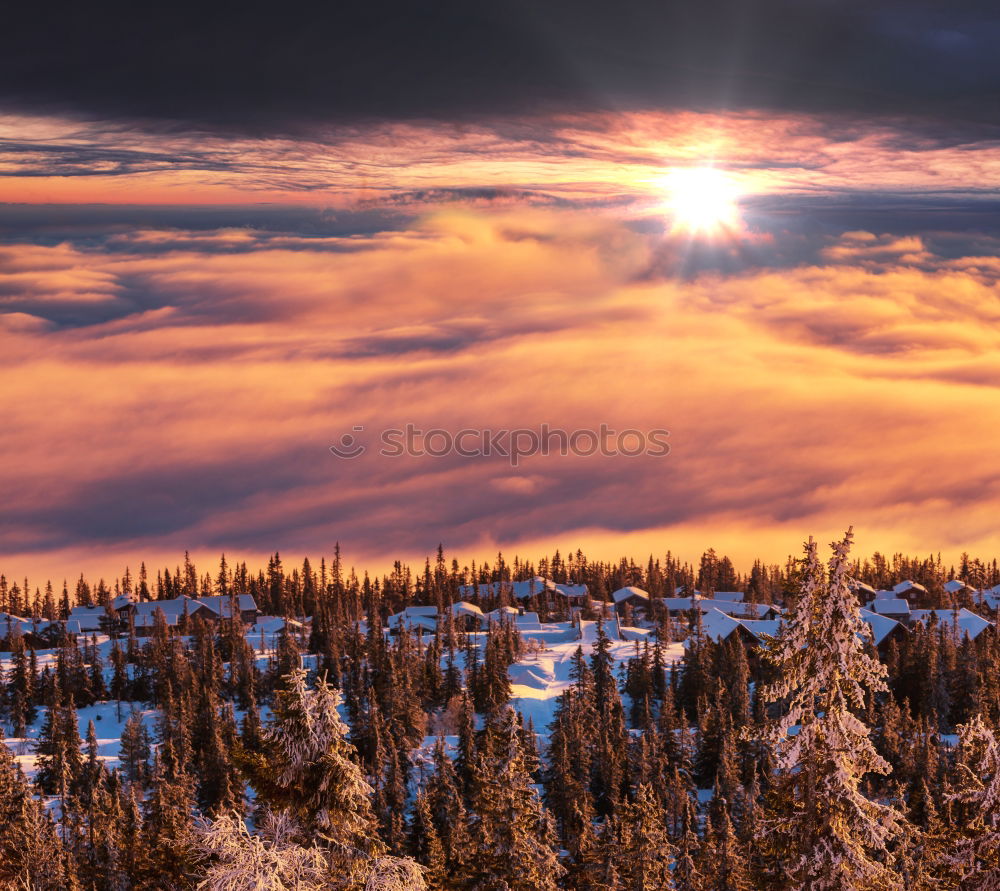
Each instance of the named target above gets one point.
<point>175,376</point>
<point>612,160</point>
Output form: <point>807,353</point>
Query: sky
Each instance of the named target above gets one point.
<point>231,236</point>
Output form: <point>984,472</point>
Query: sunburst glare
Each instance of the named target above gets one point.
<point>702,200</point>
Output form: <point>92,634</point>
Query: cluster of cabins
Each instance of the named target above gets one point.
<point>722,614</point>
<point>125,613</point>
<point>628,602</point>
<point>37,634</point>
<point>887,613</point>
<point>466,615</point>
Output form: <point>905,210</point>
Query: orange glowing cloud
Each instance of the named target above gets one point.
<point>172,389</point>
<point>610,158</point>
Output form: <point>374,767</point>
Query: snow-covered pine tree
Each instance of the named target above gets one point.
<point>307,768</point>
<point>568,772</point>
<point>58,748</point>
<point>306,774</point>
<point>30,850</point>
<point>974,856</point>
<point>723,861</point>
<point>269,860</point>
<point>448,811</point>
<point>134,749</point>
<point>822,830</point>
<point>425,844</point>
<point>168,855</point>
<point>647,855</point>
<point>686,875</point>
<point>513,834</point>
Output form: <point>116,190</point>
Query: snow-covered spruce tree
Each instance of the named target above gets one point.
<point>30,850</point>
<point>60,760</point>
<point>270,860</point>
<point>822,833</point>
<point>513,834</point>
<point>723,861</point>
<point>425,844</point>
<point>974,856</point>
<point>448,810</point>
<point>686,875</point>
<point>306,775</point>
<point>168,859</point>
<point>134,749</point>
<point>307,768</point>
<point>647,854</point>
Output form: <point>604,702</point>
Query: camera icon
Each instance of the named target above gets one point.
<point>349,447</point>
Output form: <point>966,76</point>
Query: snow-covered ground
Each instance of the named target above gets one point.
<point>107,724</point>
<point>536,682</point>
<point>539,679</point>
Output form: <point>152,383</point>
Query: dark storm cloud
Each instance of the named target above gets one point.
<point>96,225</point>
<point>152,502</point>
<point>485,195</point>
<point>257,67</point>
<point>35,158</point>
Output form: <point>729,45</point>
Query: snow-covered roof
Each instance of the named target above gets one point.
<point>407,619</point>
<point>760,628</point>
<point>173,610</point>
<point>418,611</point>
<point>733,596</point>
<point>91,618</point>
<point>908,585</point>
<point>9,622</point>
<point>519,590</point>
<point>220,604</point>
<point>881,626</point>
<point>988,598</point>
<point>863,588</point>
<point>894,606</point>
<point>731,607</point>
<point>954,586</point>
<point>273,625</point>
<point>717,626</point>
<point>753,611</point>
<point>123,600</point>
<point>464,608</point>
<point>505,613</point>
<point>42,626</point>
<point>968,622</point>
<point>9,619</point>
<point>571,591</point>
<point>422,616</point>
<point>628,592</point>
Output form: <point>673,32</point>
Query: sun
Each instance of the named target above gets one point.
<point>702,200</point>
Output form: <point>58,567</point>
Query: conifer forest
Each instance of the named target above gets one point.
<point>510,726</point>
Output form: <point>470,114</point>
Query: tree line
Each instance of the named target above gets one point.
<point>814,762</point>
